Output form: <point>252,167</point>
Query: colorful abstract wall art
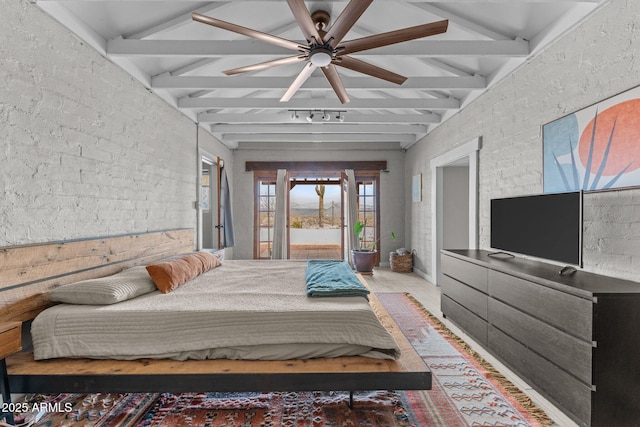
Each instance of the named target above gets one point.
<point>596,148</point>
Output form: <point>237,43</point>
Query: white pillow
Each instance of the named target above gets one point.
<point>122,286</point>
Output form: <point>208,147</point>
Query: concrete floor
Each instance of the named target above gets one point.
<point>385,280</point>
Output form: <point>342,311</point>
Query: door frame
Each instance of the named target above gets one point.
<point>313,168</point>
<point>469,150</point>
<point>214,161</point>
<point>259,176</point>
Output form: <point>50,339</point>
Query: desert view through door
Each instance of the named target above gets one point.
<point>315,218</point>
<point>315,208</point>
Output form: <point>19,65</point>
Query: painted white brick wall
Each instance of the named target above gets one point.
<point>594,61</point>
<point>85,149</point>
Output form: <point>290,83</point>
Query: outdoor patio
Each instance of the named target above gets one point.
<point>315,252</point>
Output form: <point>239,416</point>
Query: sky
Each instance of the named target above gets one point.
<point>305,196</point>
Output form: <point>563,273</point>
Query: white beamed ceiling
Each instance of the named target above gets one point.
<point>182,62</point>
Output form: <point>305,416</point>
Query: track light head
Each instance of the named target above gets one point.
<point>325,115</point>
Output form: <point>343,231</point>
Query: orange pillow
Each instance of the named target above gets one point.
<point>169,275</point>
<point>209,260</point>
<point>196,265</point>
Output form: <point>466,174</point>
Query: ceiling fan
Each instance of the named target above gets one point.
<point>325,48</point>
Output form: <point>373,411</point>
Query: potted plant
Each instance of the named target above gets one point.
<point>364,257</point>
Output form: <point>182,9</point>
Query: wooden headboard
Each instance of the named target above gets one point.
<point>27,272</point>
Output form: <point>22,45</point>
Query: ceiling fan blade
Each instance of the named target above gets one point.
<point>303,18</point>
<point>335,81</point>
<point>393,37</point>
<point>306,72</point>
<point>265,65</point>
<point>370,69</point>
<point>278,41</point>
<point>346,20</point>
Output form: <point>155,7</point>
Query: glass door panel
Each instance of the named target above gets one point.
<point>367,212</point>
<point>265,209</point>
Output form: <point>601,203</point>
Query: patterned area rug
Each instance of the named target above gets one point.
<point>466,391</point>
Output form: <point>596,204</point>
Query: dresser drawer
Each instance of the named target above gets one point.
<point>464,295</point>
<point>562,388</point>
<point>473,325</point>
<point>465,272</point>
<point>567,352</point>
<point>566,312</point>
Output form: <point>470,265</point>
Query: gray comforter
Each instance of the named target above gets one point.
<point>241,310</point>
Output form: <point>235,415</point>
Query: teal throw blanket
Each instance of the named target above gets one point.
<point>333,278</point>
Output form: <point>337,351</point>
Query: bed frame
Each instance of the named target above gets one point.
<point>27,273</point>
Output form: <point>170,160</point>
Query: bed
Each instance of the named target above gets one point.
<point>388,363</point>
<point>242,309</point>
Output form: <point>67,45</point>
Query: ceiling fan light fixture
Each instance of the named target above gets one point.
<point>320,57</point>
<point>325,48</point>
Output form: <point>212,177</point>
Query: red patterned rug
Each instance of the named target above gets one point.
<point>466,391</point>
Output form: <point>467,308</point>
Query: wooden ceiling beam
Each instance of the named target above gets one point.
<point>319,127</point>
<point>225,48</point>
<point>316,166</point>
<point>320,103</point>
<point>166,81</point>
<point>285,118</point>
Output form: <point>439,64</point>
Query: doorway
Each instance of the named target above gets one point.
<point>307,183</point>
<point>454,194</point>
<point>209,202</point>
<point>315,218</point>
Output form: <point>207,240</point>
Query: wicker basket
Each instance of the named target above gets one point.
<point>401,263</point>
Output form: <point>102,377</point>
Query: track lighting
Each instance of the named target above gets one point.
<point>310,114</point>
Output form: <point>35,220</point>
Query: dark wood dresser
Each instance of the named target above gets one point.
<point>574,338</point>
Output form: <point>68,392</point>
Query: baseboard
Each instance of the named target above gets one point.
<point>424,275</point>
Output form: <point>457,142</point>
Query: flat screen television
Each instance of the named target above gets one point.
<point>545,226</point>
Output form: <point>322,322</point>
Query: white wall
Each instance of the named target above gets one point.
<point>85,150</point>
<point>391,191</point>
<point>594,61</point>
